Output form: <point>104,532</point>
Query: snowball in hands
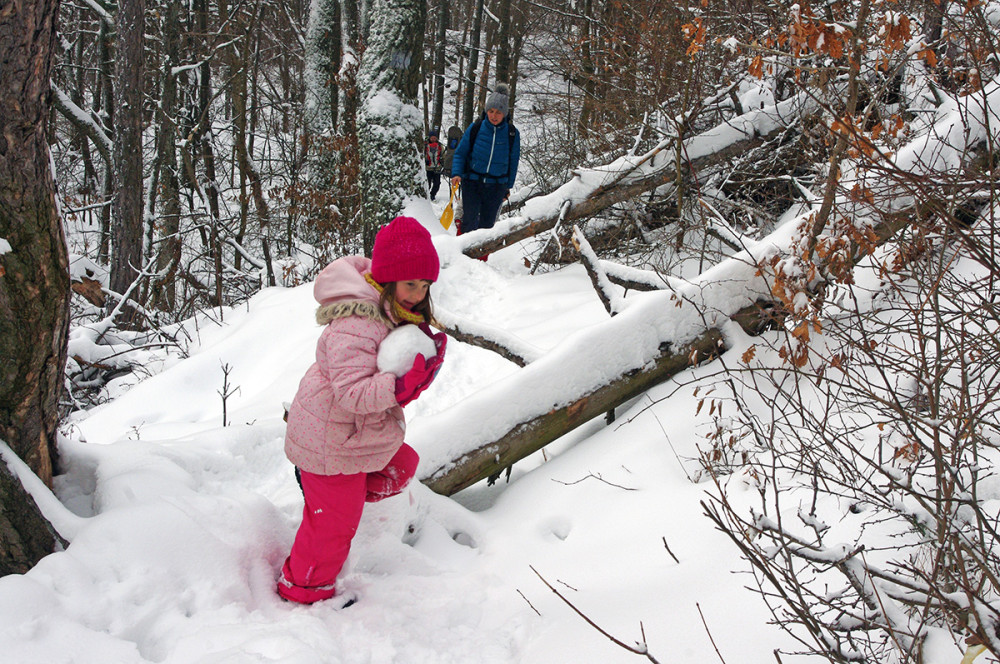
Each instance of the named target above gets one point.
<point>398,350</point>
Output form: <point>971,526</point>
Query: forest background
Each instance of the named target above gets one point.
<point>203,151</point>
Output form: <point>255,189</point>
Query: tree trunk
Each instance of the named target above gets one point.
<point>460,85</point>
<point>104,100</point>
<point>348,88</point>
<point>26,536</point>
<point>323,61</point>
<point>34,277</point>
<point>503,43</point>
<point>437,115</point>
<point>518,30</point>
<point>470,75</point>
<point>82,141</point>
<point>204,134</point>
<point>126,251</point>
<point>238,66</point>
<point>585,79</point>
<point>168,250</point>
<point>390,127</point>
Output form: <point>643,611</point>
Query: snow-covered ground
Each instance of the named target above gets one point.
<point>178,524</point>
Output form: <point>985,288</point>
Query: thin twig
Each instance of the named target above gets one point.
<point>596,477</point>
<point>709,632</point>
<point>638,649</point>
<point>667,547</point>
<point>529,603</point>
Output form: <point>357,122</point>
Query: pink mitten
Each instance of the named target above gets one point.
<point>413,382</point>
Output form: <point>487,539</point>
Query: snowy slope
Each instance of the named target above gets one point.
<point>181,524</point>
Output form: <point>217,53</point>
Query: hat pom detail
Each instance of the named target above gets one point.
<point>499,99</point>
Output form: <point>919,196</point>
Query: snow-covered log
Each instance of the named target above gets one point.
<point>487,337</point>
<point>531,436</point>
<point>598,278</point>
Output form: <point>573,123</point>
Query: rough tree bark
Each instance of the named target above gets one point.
<point>126,253</point>
<point>25,536</point>
<point>34,277</point>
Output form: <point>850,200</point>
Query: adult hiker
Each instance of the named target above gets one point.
<point>433,162</point>
<point>454,136</point>
<point>485,162</point>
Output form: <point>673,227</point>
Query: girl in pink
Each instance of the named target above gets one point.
<point>345,425</point>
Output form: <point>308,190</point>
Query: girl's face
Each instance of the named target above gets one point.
<point>411,293</point>
<point>494,116</point>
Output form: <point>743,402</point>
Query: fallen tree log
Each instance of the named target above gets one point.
<point>529,437</point>
<point>522,228</point>
<point>482,336</point>
<point>537,431</point>
<point>532,436</point>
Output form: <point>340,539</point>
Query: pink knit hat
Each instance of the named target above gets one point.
<point>403,251</point>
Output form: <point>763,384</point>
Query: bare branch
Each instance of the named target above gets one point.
<point>639,649</point>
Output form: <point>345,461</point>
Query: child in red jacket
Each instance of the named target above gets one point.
<point>345,425</point>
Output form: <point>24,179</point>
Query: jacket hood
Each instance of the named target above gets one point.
<point>341,290</point>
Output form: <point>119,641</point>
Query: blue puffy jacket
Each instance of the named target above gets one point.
<point>494,158</point>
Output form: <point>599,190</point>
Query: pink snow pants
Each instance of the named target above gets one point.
<point>330,518</point>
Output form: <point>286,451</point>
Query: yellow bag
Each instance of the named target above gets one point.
<point>449,213</point>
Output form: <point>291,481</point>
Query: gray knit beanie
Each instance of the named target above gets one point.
<point>499,99</point>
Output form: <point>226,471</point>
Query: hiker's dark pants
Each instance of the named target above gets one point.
<point>481,202</point>
<point>434,180</point>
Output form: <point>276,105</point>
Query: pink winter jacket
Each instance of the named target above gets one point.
<point>345,418</point>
